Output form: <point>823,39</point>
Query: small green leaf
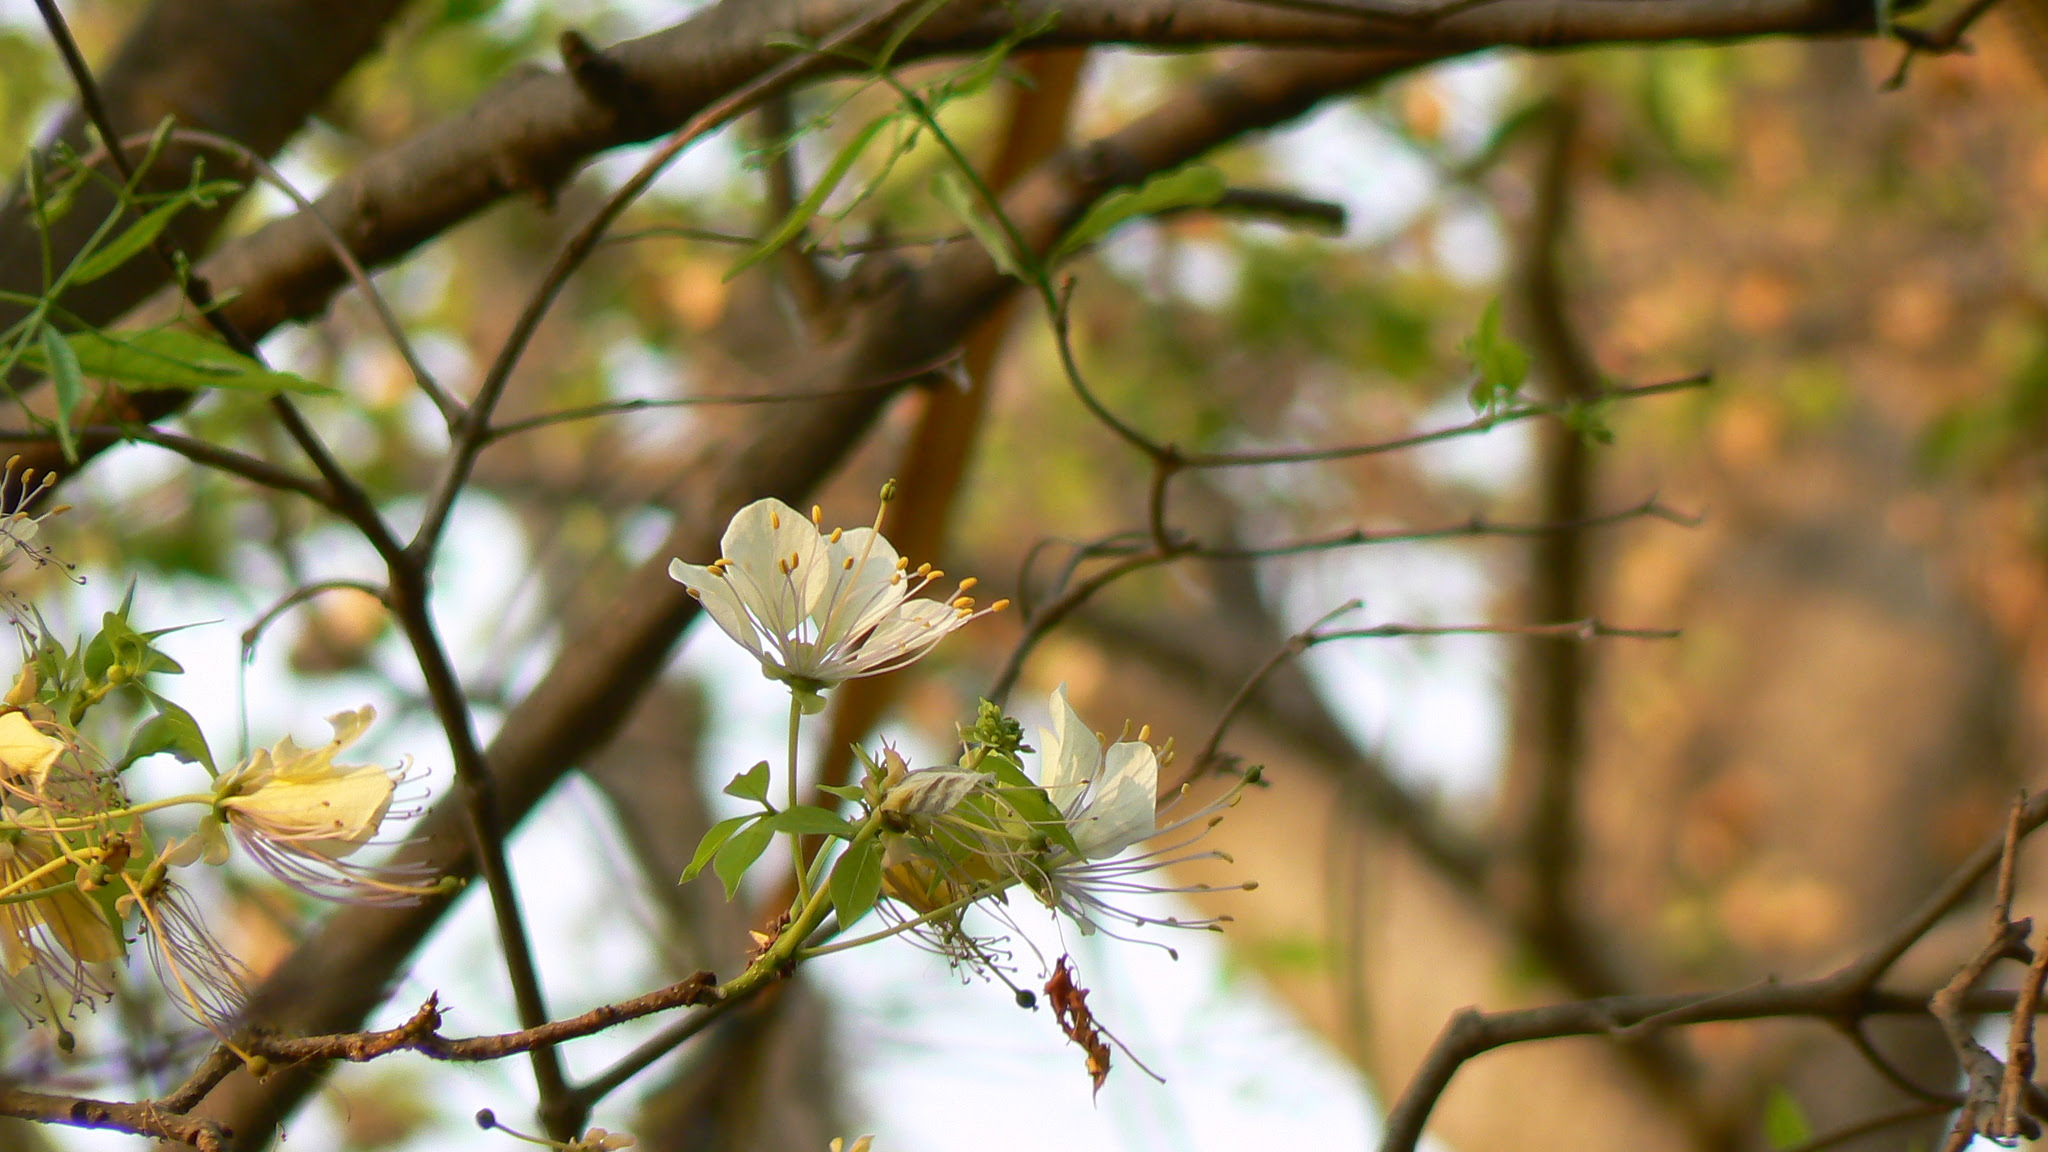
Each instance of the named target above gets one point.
<point>714,838</point>
<point>133,240</point>
<point>1785,1123</point>
<point>809,820</point>
<point>1499,363</point>
<point>171,730</point>
<point>69,386</point>
<point>799,216</point>
<point>174,358</point>
<point>843,791</point>
<point>952,190</point>
<point>751,784</point>
<point>739,852</point>
<point>856,881</point>
<point>1196,186</point>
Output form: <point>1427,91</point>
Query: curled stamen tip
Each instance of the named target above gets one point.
<point>889,490</point>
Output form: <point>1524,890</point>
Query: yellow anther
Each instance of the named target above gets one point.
<point>794,559</point>
<point>889,491</point>
<point>782,566</point>
<point>902,562</point>
<point>924,569</point>
<point>970,582</point>
<point>774,519</point>
<point>964,603</point>
<point>1144,734</point>
<point>847,564</point>
<point>897,578</point>
<point>817,515</point>
<point>1251,885</point>
<point>935,574</point>
<point>999,605</point>
<point>836,534</point>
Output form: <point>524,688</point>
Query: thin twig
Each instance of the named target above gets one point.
<point>407,597</point>
<point>474,433</point>
<point>254,632</point>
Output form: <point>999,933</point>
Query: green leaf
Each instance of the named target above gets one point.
<point>1196,186</point>
<point>714,838</point>
<point>161,358</point>
<point>810,820</point>
<point>844,791</point>
<point>799,216</point>
<point>856,881</point>
<point>751,784</point>
<point>739,852</point>
<point>1500,364</point>
<point>1031,802</point>
<point>952,190</point>
<point>1785,1123</point>
<point>171,730</point>
<point>69,386</point>
<point>124,247</point>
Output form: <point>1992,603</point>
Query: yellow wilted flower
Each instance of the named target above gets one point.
<point>299,814</point>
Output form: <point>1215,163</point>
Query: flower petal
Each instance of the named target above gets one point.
<point>908,633</point>
<point>718,597</point>
<point>1120,810</point>
<point>1070,755</point>
<point>762,541</point>
<point>861,585</point>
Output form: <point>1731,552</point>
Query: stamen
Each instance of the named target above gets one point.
<point>774,519</point>
<point>969,583</point>
<point>817,516</point>
<point>836,534</point>
<point>847,564</point>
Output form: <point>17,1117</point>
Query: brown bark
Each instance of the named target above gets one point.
<point>250,70</point>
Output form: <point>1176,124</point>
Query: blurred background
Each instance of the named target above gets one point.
<point>1860,686</point>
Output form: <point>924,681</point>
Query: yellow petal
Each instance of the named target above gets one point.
<point>24,749</point>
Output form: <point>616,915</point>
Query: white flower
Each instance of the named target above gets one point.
<point>1109,801</point>
<point>1109,798</point>
<point>299,814</point>
<point>818,608</point>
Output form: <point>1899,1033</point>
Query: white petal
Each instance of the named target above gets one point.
<point>762,540</point>
<point>1120,811</point>
<point>907,634</point>
<point>716,593</point>
<point>861,586</point>
<point>1071,756</point>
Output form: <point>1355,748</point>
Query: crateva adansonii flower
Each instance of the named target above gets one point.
<point>820,608</point>
<point>300,815</point>
<point>1107,794</point>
